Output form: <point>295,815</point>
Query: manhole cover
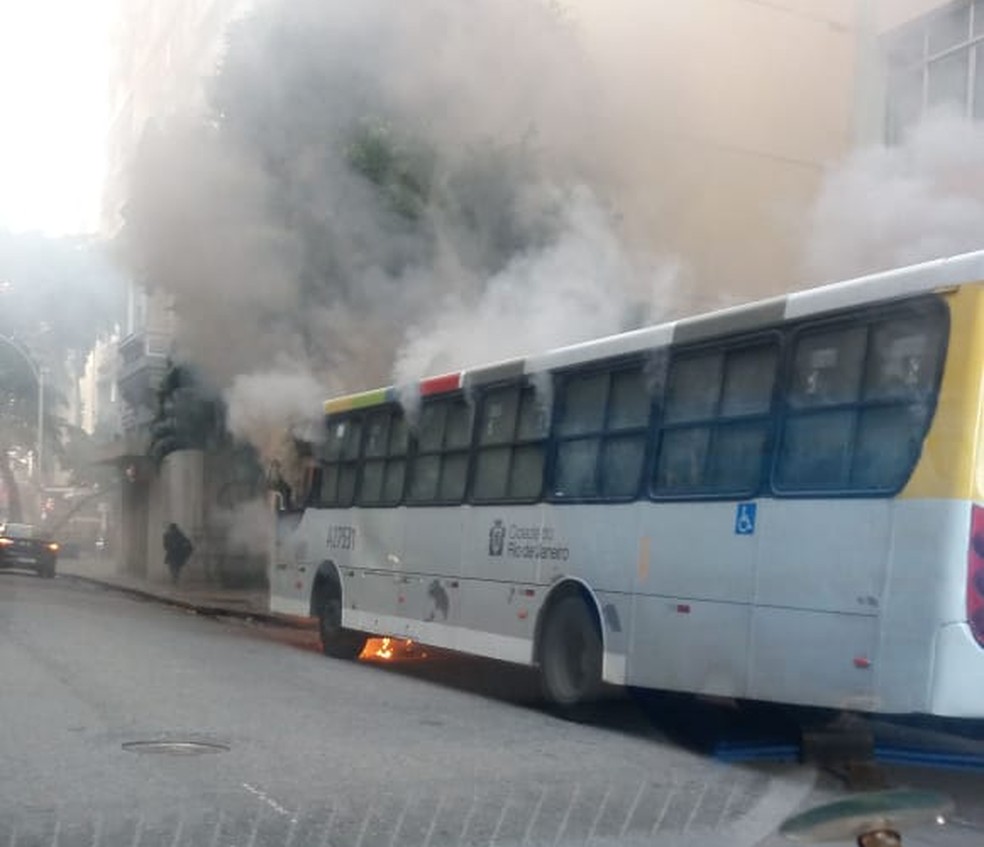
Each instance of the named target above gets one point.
<point>175,748</point>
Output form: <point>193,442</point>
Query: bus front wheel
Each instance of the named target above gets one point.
<point>570,658</point>
<point>336,642</point>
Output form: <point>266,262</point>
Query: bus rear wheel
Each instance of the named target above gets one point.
<point>336,642</point>
<point>570,658</point>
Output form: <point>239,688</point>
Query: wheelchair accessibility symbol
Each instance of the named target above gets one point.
<point>745,519</point>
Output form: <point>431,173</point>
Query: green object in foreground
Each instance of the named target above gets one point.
<point>846,819</point>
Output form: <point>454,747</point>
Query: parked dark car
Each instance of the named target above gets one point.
<point>20,547</point>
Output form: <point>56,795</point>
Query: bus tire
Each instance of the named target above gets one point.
<point>570,658</point>
<point>336,642</point>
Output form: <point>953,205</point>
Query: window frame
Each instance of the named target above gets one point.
<point>970,45</point>
<point>867,317</point>
<point>610,367</point>
<point>774,338</point>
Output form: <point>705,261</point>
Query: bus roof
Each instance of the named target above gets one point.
<point>873,288</point>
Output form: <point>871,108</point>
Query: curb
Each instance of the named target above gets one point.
<point>205,609</point>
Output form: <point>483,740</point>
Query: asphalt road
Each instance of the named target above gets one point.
<point>427,751</point>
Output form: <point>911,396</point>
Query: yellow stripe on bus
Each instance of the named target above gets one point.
<point>948,466</point>
<point>362,400</point>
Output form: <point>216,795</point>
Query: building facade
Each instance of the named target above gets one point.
<point>163,54</point>
<point>99,406</point>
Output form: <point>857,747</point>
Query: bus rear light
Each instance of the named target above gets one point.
<point>975,574</point>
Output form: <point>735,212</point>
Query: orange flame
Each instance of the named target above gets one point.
<point>387,648</point>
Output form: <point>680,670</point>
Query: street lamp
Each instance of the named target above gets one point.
<point>38,373</point>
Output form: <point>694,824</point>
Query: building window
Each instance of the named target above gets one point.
<point>933,62</point>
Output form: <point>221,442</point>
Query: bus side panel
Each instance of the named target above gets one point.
<point>683,644</point>
<point>433,540</point>
<point>501,554</point>
<point>695,581</point>
<point>924,590</point>
<point>813,658</point>
<point>371,542</point>
<point>818,595</point>
<point>598,544</point>
<point>287,596</point>
<point>515,555</point>
<point>823,555</point>
<point>301,548</point>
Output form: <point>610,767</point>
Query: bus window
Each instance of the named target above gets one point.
<point>630,401</point>
<point>716,422</point>
<point>888,444</point>
<point>439,470</point>
<point>498,416</point>
<point>859,404</point>
<point>602,435</point>
<point>526,472</point>
<point>423,480</point>
<point>584,404</point>
<point>736,459</point>
<point>682,456</point>
<point>827,368</point>
<point>509,460</point>
<point>377,433</point>
<point>340,455</point>
<point>621,465</point>
<point>694,388</point>
<point>577,465</point>
<point>816,451</point>
<point>384,459</point>
<point>749,382</point>
<point>903,361</point>
<point>399,438</point>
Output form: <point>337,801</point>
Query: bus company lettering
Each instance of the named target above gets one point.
<point>525,542</point>
<point>341,538</point>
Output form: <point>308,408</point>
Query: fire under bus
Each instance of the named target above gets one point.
<point>780,501</point>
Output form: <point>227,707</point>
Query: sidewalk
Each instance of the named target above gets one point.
<point>196,596</point>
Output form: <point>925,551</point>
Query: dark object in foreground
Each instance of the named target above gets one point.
<point>875,819</point>
<point>21,547</point>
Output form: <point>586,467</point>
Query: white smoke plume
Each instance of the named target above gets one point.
<point>890,206</point>
<point>583,285</point>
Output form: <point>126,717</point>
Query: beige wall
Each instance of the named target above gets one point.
<point>728,111</point>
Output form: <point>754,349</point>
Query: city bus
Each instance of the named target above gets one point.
<point>780,501</point>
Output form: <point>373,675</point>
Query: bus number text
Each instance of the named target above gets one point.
<point>341,538</point>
